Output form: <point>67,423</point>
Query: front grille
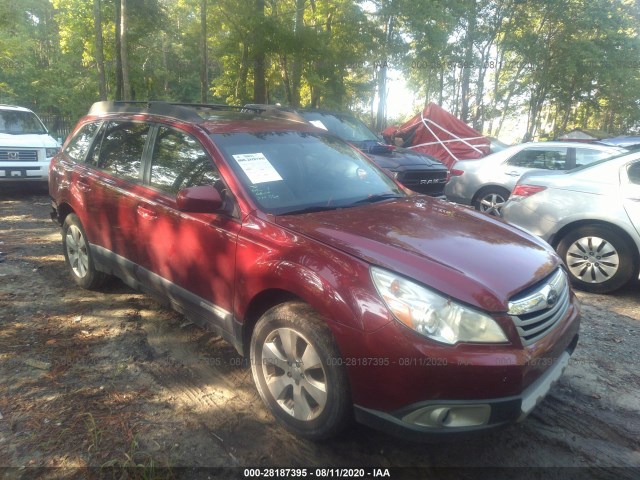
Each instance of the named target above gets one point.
<point>537,311</point>
<point>430,182</point>
<point>18,155</point>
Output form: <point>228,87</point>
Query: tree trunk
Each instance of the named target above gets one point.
<point>97,25</point>
<point>259,82</point>
<point>467,66</point>
<point>204,77</point>
<point>286,82</point>
<point>381,117</point>
<point>118,47</point>
<point>296,66</point>
<point>535,107</point>
<point>441,86</point>
<point>382,98</point>
<point>241,82</point>
<point>126,85</point>
<point>165,64</point>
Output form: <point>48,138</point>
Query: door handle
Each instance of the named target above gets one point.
<point>146,212</point>
<point>513,174</point>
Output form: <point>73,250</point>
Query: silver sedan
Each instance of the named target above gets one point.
<point>591,216</point>
<point>486,183</point>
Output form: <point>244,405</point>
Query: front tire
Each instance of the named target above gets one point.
<point>77,254</point>
<point>599,260</point>
<point>297,370</point>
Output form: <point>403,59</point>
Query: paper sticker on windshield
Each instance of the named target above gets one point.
<point>319,124</point>
<point>257,168</point>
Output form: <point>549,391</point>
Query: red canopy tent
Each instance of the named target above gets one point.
<point>436,132</point>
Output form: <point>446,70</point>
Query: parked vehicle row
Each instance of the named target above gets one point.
<point>569,194</point>
<point>486,183</point>
<point>350,297</point>
<point>590,215</point>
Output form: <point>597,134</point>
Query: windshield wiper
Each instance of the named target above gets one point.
<point>313,209</point>
<point>377,198</point>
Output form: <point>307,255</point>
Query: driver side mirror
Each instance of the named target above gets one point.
<point>202,199</point>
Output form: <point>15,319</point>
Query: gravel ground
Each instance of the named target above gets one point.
<point>92,383</point>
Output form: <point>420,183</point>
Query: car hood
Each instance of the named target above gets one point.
<point>391,158</point>
<point>27,140</point>
<point>461,253</point>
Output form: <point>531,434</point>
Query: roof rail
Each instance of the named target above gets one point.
<point>277,111</point>
<point>182,111</point>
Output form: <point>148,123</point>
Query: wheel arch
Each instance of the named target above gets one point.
<point>257,307</point>
<point>486,188</point>
<point>64,209</point>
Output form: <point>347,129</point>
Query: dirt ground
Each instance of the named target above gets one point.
<point>94,382</point>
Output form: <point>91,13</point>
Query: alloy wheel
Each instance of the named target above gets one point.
<point>294,374</point>
<point>592,259</point>
<point>77,251</point>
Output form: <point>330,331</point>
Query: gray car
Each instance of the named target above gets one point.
<point>486,183</point>
<point>591,216</point>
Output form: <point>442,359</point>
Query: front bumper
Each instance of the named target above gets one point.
<point>441,419</point>
<point>25,172</point>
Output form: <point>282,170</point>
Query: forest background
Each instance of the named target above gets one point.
<point>547,65</point>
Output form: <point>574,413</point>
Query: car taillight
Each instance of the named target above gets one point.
<point>524,191</point>
<point>455,172</point>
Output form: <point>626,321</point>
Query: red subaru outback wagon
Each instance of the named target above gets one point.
<point>350,298</point>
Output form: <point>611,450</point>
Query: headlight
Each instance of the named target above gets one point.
<point>50,152</point>
<point>433,315</point>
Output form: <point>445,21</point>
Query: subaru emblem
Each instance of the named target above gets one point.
<point>552,297</point>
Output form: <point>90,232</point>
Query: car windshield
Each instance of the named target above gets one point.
<point>300,172</point>
<point>348,128</point>
<point>17,122</point>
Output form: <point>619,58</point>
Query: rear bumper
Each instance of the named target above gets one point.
<point>442,419</point>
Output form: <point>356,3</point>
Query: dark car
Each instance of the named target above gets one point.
<point>349,297</point>
<point>418,172</point>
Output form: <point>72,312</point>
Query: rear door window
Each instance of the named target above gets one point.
<point>585,156</point>
<point>120,152</point>
<point>548,158</point>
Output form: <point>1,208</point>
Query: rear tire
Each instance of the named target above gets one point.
<point>297,370</point>
<point>599,260</point>
<point>77,254</point>
<point>491,200</point>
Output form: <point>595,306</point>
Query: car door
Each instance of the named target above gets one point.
<point>190,257</point>
<point>112,191</point>
<point>533,158</point>
<point>630,179</point>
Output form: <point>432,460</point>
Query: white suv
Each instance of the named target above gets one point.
<point>26,148</point>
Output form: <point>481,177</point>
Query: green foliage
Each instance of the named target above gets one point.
<point>561,63</point>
